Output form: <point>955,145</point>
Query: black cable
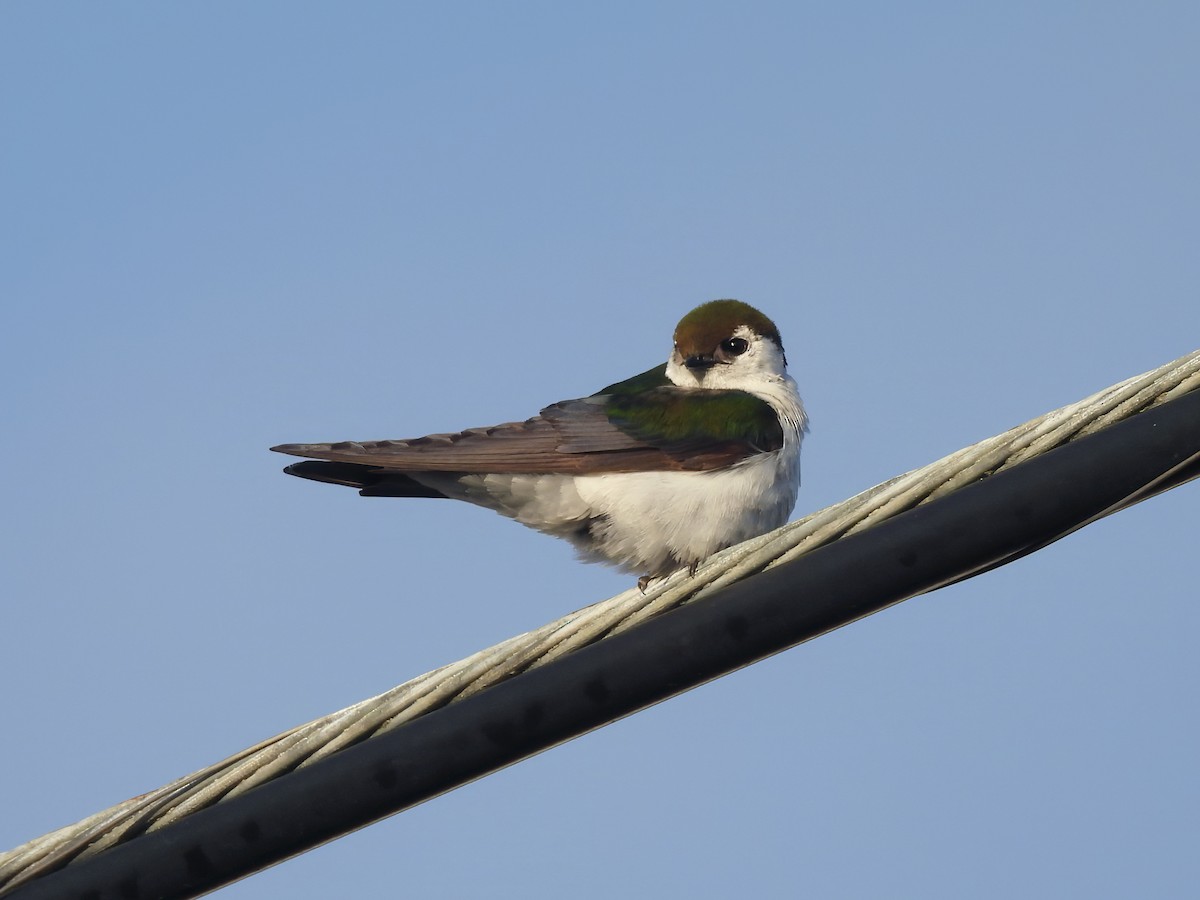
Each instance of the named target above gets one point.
<point>978,527</point>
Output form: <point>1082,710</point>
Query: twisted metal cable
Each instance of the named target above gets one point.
<point>316,740</point>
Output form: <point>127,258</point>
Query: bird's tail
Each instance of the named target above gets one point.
<point>371,481</point>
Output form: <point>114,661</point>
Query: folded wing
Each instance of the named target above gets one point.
<point>662,429</point>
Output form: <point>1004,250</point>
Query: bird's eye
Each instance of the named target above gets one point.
<point>735,346</point>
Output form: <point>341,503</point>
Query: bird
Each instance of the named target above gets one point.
<point>652,474</point>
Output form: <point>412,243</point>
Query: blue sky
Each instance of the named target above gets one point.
<point>229,226</point>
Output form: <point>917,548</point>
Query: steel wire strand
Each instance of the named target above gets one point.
<point>319,739</point>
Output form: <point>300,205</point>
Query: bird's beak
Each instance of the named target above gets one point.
<point>700,363</point>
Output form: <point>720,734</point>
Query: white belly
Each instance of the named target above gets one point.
<point>644,522</point>
<point>656,522</point>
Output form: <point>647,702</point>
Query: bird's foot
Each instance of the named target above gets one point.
<point>645,581</point>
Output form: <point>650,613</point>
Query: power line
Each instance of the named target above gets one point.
<point>978,509</point>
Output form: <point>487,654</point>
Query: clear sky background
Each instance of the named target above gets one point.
<point>231,225</point>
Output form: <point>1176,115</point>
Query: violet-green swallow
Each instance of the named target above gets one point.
<point>651,474</point>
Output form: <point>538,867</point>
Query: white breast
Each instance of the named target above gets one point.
<point>656,522</point>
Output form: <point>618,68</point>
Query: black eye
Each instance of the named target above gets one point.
<point>735,346</point>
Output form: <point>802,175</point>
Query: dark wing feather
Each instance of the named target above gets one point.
<point>371,481</point>
<point>666,428</point>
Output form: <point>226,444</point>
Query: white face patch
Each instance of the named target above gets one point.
<point>762,364</point>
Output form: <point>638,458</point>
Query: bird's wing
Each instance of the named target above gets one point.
<point>668,428</point>
<point>664,429</point>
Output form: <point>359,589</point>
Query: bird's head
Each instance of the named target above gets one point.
<point>726,345</point>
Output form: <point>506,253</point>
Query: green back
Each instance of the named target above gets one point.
<point>659,413</point>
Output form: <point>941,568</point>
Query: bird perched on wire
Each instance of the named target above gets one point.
<point>651,474</point>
